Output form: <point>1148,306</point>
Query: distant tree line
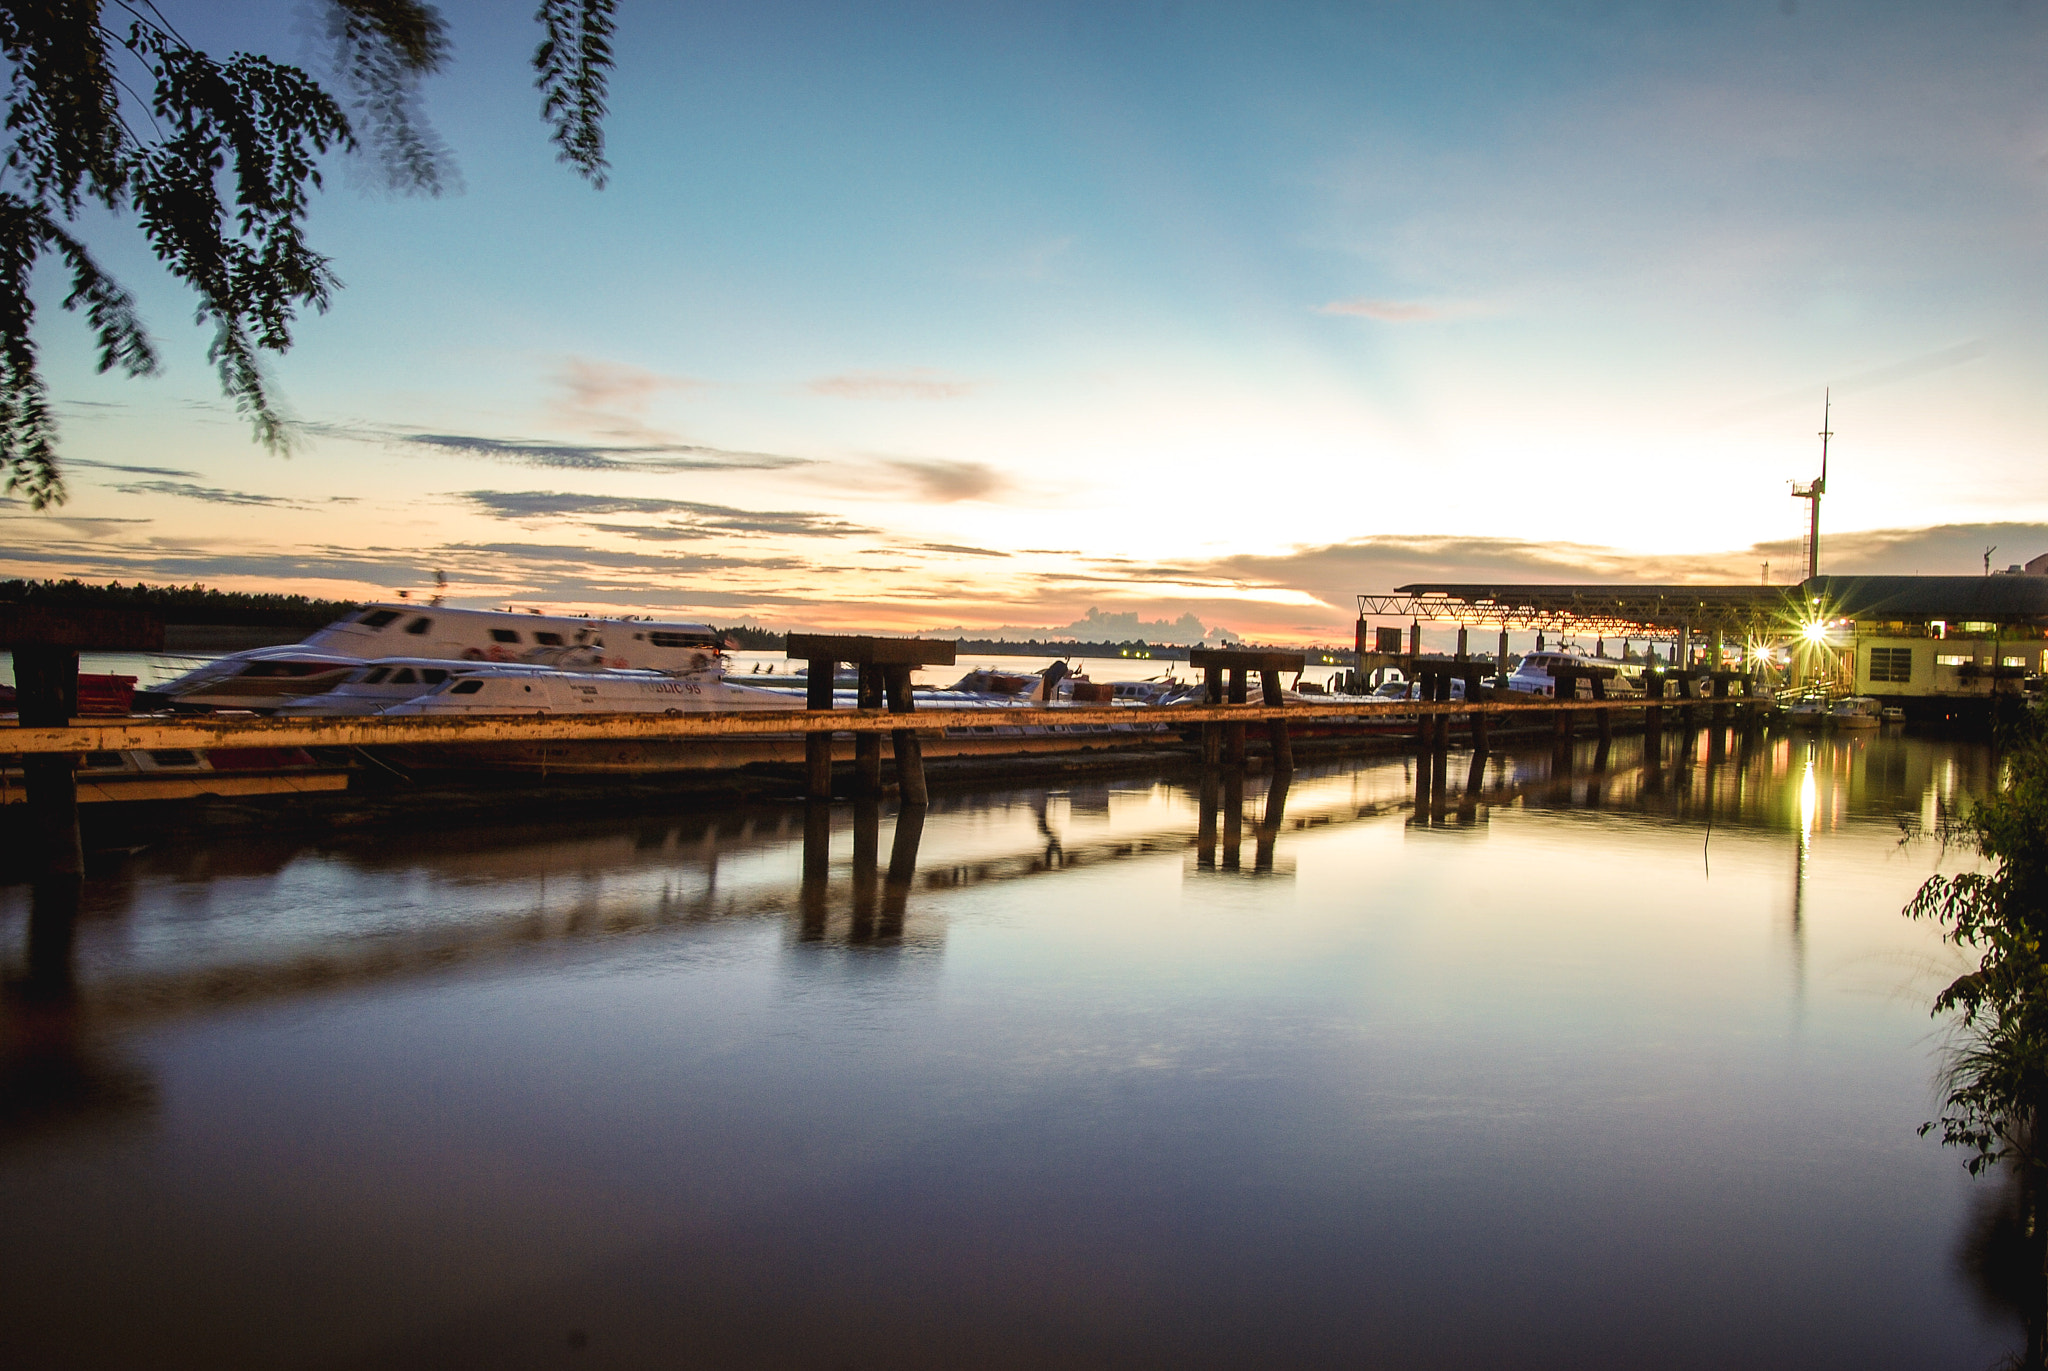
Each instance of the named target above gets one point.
<point>193,604</point>
<point>1135,647</point>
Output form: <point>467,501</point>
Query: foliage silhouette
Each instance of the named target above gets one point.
<point>1996,1074</point>
<point>216,164</point>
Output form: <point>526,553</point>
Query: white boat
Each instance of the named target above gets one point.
<point>1858,711</point>
<point>376,686</point>
<point>1807,712</point>
<point>512,690</point>
<point>263,678</point>
<point>1535,674</point>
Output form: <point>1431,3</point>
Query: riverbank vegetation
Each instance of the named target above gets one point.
<point>1995,1078</point>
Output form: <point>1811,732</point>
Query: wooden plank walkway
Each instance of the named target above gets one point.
<point>115,735</point>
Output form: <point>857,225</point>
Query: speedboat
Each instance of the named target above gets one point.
<point>1536,673</point>
<point>513,690</point>
<point>266,677</point>
<point>1857,711</point>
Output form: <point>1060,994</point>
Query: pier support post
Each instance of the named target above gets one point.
<point>903,741</point>
<point>1276,729</point>
<point>867,849</point>
<point>1212,733</point>
<point>1500,662</point>
<point>1603,717</point>
<point>1205,827</point>
<point>818,746</point>
<point>1233,819</point>
<point>1268,835</point>
<point>1439,783</point>
<point>902,870</point>
<point>1475,781</point>
<point>1233,734</point>
<point>867,747</point>
<point>46,686</point>
<point>817,868</point>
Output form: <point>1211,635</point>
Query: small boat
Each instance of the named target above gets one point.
<point>1858,711</point>
<point>1809,711</point>
<point>1893,714</point>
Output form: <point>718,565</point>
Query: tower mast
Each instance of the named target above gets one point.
<point>1817,489</point>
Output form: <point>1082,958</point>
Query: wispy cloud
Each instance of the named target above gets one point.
<point>702,518</point>
<point>959,551</point>
<point>170,472</point>
<point>538,452</point>
<point>1387,311</point>
<point>212,495</point>
<point>948,482</point>
<point>1910,369</point>
<point>917,383</point>
<point>596,385</point>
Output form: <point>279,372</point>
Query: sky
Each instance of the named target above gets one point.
<point>915,317</point>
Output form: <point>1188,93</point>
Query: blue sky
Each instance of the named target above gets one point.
<point>921,316</point>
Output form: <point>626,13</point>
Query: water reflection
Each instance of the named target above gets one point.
<point>1056,1073</point>
<point>878,906</point>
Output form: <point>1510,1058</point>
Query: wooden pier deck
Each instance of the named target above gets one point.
<point>156,731</point>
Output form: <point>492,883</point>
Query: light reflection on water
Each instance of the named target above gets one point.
<point>1582,1061</point>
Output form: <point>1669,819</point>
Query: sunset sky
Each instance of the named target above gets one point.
<point>914,317</point>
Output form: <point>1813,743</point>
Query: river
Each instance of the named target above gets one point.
<point>1610,1065</point>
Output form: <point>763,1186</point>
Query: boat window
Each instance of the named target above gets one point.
<point>548,639</point>
<point>378,618</point>
<point>419,625</point>
<point>284,668</point>
<point>663,638</point>
<point>376,674</point>
<point>104,761</point>
<point>175,757</point>
<point>404,676</point>
<point>504,635</point>
<point>469,687</point>
<point>433,675</point>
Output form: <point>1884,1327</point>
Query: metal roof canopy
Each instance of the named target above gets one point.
<point>1654,610</point>
<point>1952,599</point>
<point>1644,610</point>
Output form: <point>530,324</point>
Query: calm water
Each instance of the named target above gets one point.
<point>1616,1066</point>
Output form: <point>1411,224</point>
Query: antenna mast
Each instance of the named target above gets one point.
<point>1819,488</point>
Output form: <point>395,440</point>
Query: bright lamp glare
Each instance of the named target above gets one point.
<point>1814,632</point>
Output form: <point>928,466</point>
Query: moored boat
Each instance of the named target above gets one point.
<point>1536,674</point>
<point>264,678</point>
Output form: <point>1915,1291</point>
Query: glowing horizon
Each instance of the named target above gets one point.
<point>912,318</point>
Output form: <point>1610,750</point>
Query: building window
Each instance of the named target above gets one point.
<point>2012,661</point>
<point>1891,664</point>
<point>1953,661</point>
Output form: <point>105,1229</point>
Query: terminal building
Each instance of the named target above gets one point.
<point>1938,646</point>
<point>1938,641</point>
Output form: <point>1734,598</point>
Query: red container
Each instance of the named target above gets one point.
<point>105,694</point>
